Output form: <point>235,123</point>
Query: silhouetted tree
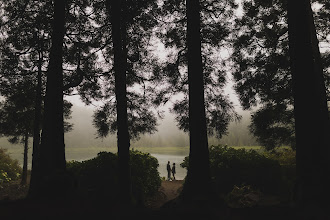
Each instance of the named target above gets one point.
<point>261,68</point>
<point>18,116</point>
<point>37,120</point>
<point>24,49</point>
<point>16,119</point>
<point>310,108</point>
<point>129,114</point>
<point>215,29</point>
<point>116,10</point>
<point>141,72</point>
<point>26,43</point>
<point>52,149</point>
<point>198,177</point>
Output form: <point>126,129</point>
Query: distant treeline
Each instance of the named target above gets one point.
<point>168,135</point>
<point>238,135</point>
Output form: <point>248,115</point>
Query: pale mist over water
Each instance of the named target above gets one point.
<point>85,154</point>
<point>82,143</point>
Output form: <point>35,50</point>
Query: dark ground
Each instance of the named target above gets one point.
<point>164,205</point>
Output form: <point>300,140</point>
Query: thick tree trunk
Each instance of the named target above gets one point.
<point>115,9</point>
<point>311,121</point>
<point>52,148</point>
<point>198,178</point>
<point>36,129</point>
<point>25,158</point>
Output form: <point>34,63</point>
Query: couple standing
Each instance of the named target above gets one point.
<point>169,170</point>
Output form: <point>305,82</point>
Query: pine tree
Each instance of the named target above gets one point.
<point>26,48</point>
<point>17,117</point>
<point>116,10</point>
<point>310,109</point>
<point>142,77</point>
<point>125,17</point>
<point>261,68</point>
<point>198,177</point>
<point>215,26</point>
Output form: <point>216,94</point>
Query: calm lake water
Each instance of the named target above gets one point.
<point>80,154</point>
<point>177,159</point>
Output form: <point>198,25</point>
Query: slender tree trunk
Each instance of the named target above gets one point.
<point>198,178</point>
<point>36,129</point>
<point>115,9</point>
<point>25,158</point>
<point>311,122</point>
<point>52,148</point>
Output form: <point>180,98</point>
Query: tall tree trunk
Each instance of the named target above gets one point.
<point>322,106</point>
<point>25,158</point>
<point>311,120</point>
<point>198,178</point>
<point>115,9</point>
<point>52,148</point>
<point>318,69</point>
<point>36,129</point>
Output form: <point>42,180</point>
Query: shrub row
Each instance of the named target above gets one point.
<point>236,167</point>
<point>98,177</point>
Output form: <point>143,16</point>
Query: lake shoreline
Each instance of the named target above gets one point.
<point>163,154</point>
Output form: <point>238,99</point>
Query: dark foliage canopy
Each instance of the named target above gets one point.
<point>140,73</point>
<point>261,67</point>
<point>216,20</point>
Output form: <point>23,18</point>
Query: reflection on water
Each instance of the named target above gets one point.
<point>162,160</point>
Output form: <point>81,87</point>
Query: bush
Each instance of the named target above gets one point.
<point>9,168</point>
<point>243,196</point>
<point>230,167</point>
<point>145,175</point>
<point>287,159</point>
<point>98,177</point>
<point>285,156</point>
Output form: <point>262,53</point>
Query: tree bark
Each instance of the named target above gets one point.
<point>318,69</point>
<point>198,177</point>
<point>25,158</point>
<point>36,129</point>
<point>311,119</point>
<point>52,148</point>
<point>115,10</point>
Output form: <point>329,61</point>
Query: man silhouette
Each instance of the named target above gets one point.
<point>168,170</point>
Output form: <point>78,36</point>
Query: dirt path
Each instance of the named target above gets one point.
<point>167,191</point>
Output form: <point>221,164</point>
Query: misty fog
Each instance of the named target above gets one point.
<point>82,143</point>
<point>84,135</point>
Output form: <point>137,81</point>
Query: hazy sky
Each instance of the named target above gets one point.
<point>84,133</point>
<point>168,124</point>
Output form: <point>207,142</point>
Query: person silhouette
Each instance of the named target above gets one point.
<point>168,167</point>
<point>173,171</point>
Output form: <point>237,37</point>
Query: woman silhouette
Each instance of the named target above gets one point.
<point>173,171</point>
